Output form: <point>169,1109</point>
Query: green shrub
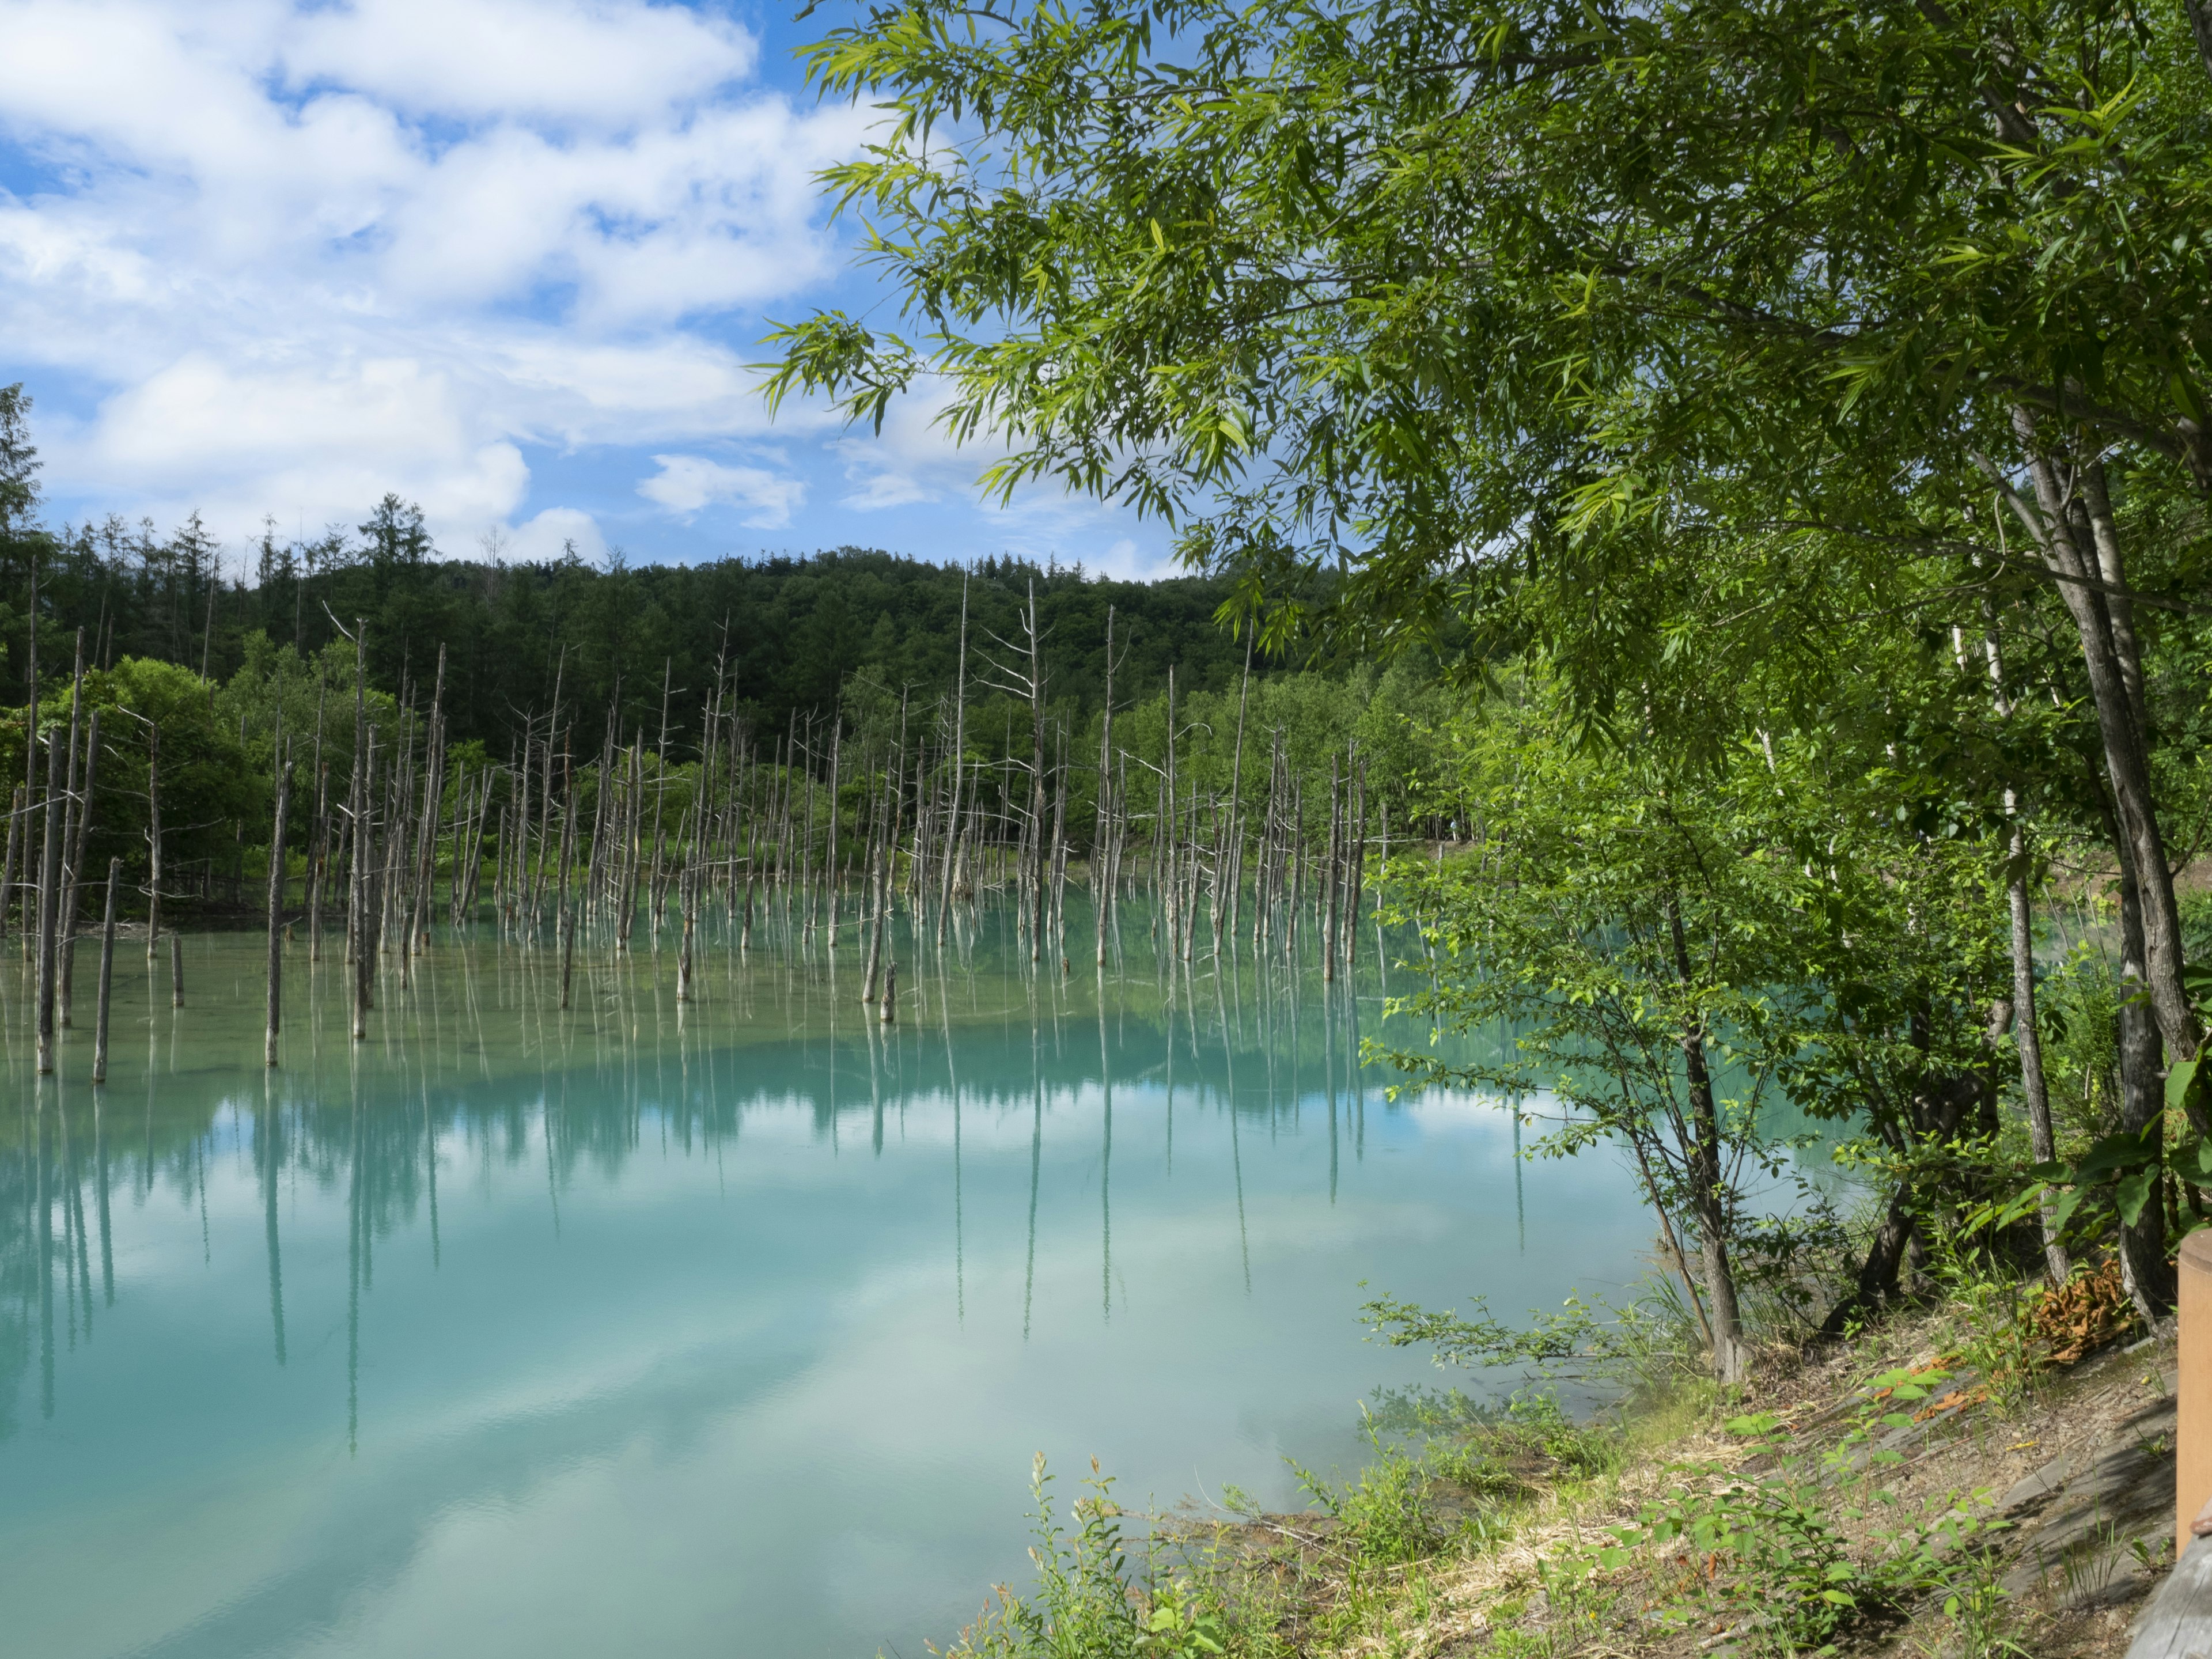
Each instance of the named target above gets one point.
<point>1090,1602</point>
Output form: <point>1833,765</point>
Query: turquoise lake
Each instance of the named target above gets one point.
<point>729,1328</point>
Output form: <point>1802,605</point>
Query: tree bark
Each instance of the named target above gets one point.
<point>106,977</point>
<point>2081,579</point>
<point>2143,1266</point>
<point>276,916</point>
<point>49,907</point>
<point>1731,1357</point>
<point>2033,1087</point>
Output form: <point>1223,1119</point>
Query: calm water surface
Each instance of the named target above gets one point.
<point>729,1328</point>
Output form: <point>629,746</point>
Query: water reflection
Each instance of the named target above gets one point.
<point>726,1326</point>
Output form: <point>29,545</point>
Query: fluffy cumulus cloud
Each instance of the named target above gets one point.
<point>686,483</point>
<point>283,257</point>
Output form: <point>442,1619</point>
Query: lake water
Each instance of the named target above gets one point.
<point>726,1328</point>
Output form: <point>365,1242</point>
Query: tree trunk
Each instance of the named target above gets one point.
<point>1731,1357</point>
<point>49,907</point>
<point>2142,1110</point>
<point>2081,580</point>
<point>2033,1087</point>
<point>276,916</point>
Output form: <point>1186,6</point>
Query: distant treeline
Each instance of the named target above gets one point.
<point>229,662</point>
<point>792,630</point>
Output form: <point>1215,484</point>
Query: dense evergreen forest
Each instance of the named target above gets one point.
<point>791,631</point>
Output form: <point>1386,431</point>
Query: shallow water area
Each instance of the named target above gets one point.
<point>722,1328</point>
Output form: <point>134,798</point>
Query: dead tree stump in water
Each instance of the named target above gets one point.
<point>106,977</point>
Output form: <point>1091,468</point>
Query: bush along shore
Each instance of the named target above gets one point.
<point>1987,1471</point>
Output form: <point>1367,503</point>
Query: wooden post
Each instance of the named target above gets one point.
<point>106,977</point>
<point>276,915</point>
<point>2193,1387</point>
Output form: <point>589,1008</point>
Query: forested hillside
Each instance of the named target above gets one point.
<point>790,631</point>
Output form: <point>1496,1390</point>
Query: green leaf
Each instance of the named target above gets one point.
<point>2181,1085</point>
<point>2131,1196</point>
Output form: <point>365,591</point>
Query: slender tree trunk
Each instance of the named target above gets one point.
<point>49,903</point>
<point>2033,1087</point>
<point>106,977</point>
<point>2081,578</point>
<point>75,884</point>
<point>153,840</point>
<point>2143,1266</point>
<point>276,916</point>
<point>17,811</point>
<point>829,870</point>
<point>1235,876</point>
<point>1731,1359</point>
<point>360,950</point>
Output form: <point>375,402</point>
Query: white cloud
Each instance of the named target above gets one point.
<point>1124,561</point>
<point>499,57</point>
<point>913,459</point>
<point>549,535</point>
<point>297,254</point>
<point>686,485</point>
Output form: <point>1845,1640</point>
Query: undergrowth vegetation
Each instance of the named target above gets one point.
<point>1674,1522</point>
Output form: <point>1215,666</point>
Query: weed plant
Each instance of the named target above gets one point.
<point>1091,1600</point>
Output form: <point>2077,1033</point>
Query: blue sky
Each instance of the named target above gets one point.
<point>508,257</point>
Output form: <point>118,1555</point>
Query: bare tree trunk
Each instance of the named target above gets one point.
<point>74,885</point>
<point>687,883</point>
<point>16,811</point>
<point>153,838</point>
<point>836,757</point>
<point>1235,876</point>
<point>106,977</point>
<point>359,947</point>
<point>1037,779</point>
<point>30,796</point>
<point>568,906</point>
<point>276,915</point>
<point>49,907</point>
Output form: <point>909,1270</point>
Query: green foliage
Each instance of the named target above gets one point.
<point>1765,1558</point>
<point>1584,1339</point>
<point>1765,1553</point>
<point>1388,1515</point>
<point>207,786</point>
<point>1089,1601</point>
<point>1989,1312</point>
<point>1878,1413</point>
<point>1673,951</point>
